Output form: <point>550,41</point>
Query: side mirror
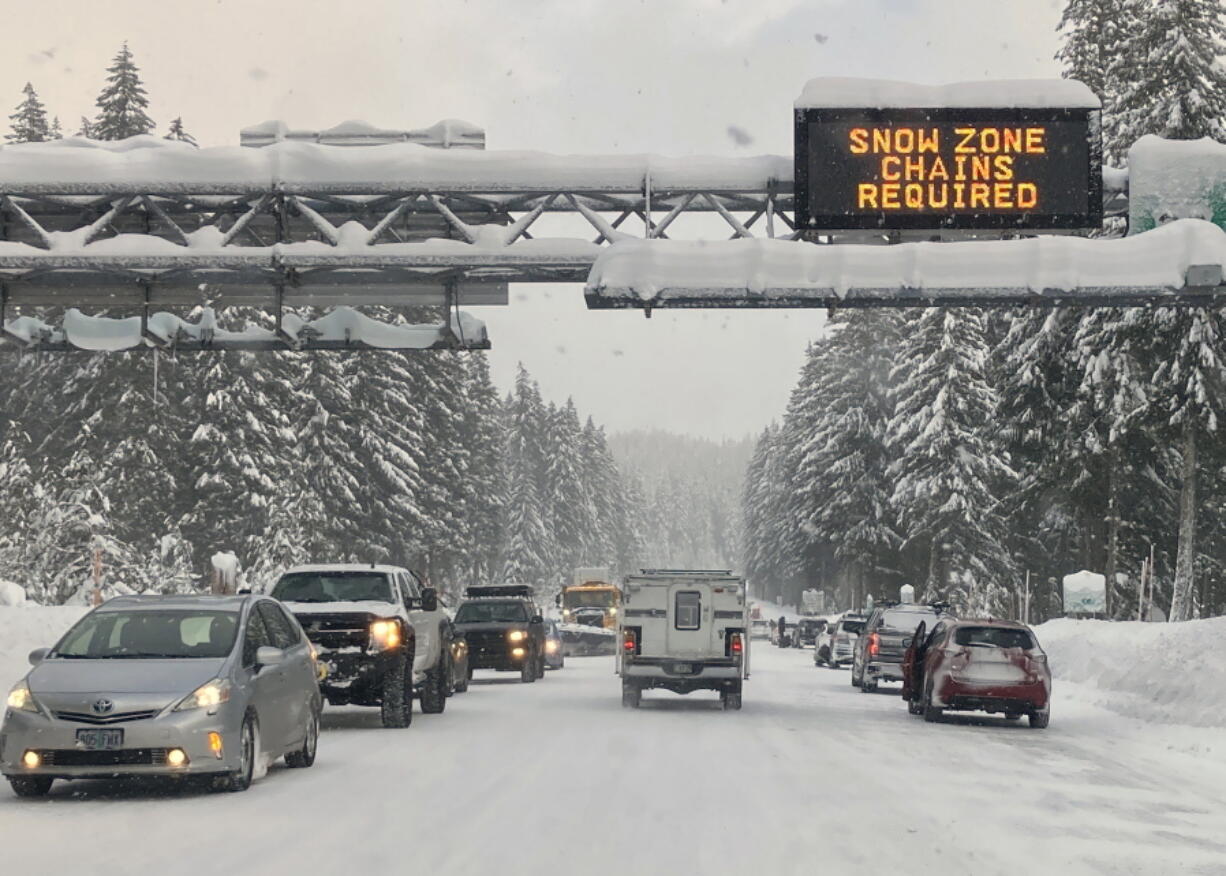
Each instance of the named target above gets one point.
<point>268,656</point>
<point>38,655</point>
<point>429,599</point>
<point>536,620</point>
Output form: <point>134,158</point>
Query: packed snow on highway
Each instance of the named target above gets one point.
<point>810,775</point>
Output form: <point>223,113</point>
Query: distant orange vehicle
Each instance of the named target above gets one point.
<point>592,600</point>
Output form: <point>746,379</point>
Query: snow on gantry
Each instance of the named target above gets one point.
<point>836,91</point>
<point>1156,265</point>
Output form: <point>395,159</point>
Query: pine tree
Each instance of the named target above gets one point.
<point>56,132</point>
<point>946,470</point>
<point>484,431</point>
<point>842,489</point>
<point>1173,84</point>
<point>86,129</point>
<point>122,103</point>
<point>177,132</point>
<point>30,120</point>
<point>1095,33</point>
<point>572,516</point>
<point>530,556</point>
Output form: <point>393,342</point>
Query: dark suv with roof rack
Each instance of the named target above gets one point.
<point>504,629</point>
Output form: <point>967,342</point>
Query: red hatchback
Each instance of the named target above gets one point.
<point>977,665</point>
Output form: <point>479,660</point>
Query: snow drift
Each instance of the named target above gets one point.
<point>1157,673</point>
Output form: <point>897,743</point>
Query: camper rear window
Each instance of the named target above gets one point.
<point>689,607</point>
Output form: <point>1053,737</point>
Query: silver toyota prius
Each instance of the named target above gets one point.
<point>214,687</point>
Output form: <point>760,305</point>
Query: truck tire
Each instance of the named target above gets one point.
<point>30,786</point>
<point>461,684</point>
<point>434,691</point>
<point>541,667</point>
<point>527,672</point>
<point>731,699</point>
<point>632,696</point>
<point>396,707</point>
<point>868,685</point>
<point>856,681</point>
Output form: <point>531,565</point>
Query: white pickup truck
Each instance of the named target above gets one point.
<point>378,631</point>
<point>683,630</point>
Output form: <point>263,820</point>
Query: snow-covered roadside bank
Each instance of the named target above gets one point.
<point>1169,674</point>
<point>24,628</point>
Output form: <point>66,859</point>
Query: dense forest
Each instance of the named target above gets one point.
<point>965,451</point>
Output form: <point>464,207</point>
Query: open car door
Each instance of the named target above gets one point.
<point>910,664</point>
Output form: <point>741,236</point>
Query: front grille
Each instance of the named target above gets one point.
<point>334,632</point>
<point>116,718</point>
<point>122,757</point>
<point>489,642</point>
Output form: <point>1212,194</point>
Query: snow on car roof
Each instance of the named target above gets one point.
<point>841,91</point>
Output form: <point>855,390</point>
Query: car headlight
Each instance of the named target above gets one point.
<point>384,635</point>
<point>22,700</point>
<point>517,635</point>
<point>209,695</point>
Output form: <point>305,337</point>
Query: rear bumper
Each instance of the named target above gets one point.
<point>1017,698</point>
<point>883,670</point>
<point>682,676</point>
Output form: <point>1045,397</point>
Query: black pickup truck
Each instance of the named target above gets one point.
<point>504,630</point>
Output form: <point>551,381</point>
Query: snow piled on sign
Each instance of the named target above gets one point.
<point>830,92</point>
<point>1156,673</point>
<point>1157,259</point>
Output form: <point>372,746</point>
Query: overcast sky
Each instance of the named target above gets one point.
<point>580,76</point>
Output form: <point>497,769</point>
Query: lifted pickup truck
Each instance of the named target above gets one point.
<point>379,634</point>
<point>683,631</point>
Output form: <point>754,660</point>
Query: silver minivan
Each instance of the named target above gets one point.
<point>214,687</point>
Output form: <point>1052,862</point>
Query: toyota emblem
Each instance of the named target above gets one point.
<point>103,707</point>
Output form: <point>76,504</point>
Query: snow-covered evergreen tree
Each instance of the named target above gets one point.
<point>56,132</point>
<point>29,123</point>
<point>122,103</point>
<point>1095,33</point>
<point>86,129</point>
<point>947,471</point>
<point>842,489</point>
<point>177,132</point>
<point>530,554</point>
<point>1171,79</point>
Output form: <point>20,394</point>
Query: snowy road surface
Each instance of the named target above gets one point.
<point>556,778</point>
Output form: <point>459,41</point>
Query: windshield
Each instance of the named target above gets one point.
<point>491,613</point>
<point>852,626</point>
<point>906,621</point>
<point>994,637</point>
<point>142,633</point>
<point>333,587</point>
<point>589,598</point>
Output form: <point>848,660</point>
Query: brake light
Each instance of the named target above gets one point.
<point>874,644</point>
<point>737,646</point>
<point>628,642</point>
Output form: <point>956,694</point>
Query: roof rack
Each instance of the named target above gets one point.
<point>482,591</point>
<point>722,572</point>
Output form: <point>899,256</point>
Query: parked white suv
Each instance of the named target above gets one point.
<point>379,633</point>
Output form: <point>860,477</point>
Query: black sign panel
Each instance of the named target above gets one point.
<point>948,168</point>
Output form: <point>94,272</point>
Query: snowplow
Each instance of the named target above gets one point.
<point>589,605</point>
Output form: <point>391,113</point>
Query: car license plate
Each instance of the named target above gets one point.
<point>99,740</point>
<point>682,668</point>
